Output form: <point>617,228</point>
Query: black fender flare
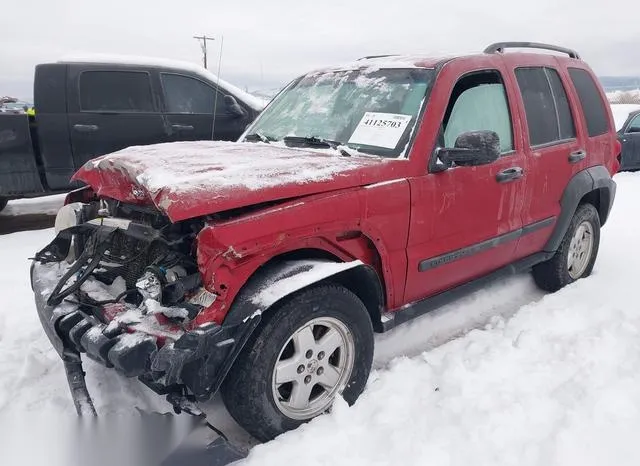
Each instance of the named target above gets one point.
<point>281,279</point>
<point>593,179</point>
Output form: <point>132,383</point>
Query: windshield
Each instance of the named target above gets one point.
<point>370,110</point>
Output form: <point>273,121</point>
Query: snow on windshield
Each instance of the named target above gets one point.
<point>381,105</point>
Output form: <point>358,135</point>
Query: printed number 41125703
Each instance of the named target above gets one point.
<point>383,123</point>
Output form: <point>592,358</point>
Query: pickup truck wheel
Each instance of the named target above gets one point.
<point>3,203</point>
<point>576,255</point>
<point>315,346</point>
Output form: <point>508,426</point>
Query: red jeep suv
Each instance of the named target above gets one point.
<point>363,196</point>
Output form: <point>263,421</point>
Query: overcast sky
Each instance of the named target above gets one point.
<point>268,42</point>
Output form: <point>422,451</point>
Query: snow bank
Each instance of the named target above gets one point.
<point>48,205</point>
<point>556,384</point>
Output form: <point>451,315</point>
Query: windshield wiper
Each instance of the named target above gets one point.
<point>258,136</point>
<point>318,142</point>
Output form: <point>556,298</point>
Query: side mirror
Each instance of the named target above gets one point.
<point>233,106</point>
<point>472,148</point>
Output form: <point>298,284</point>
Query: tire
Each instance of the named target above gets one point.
<point>3,203</point>
<point>250,390</point>
<point>556,272</point>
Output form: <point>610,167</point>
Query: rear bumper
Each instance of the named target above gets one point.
<point>198,360</point>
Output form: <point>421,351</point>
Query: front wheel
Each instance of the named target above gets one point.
<point>576,255</point>
<point>312,348</point>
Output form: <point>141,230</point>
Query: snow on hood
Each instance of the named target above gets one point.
<point>190,179</point>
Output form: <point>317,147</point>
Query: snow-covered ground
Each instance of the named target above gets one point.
<point>531,379</point>
<point>48,205</point>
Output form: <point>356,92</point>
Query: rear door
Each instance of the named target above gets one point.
<point>465,221</point>
<point>196,111</point>
<point>555,147</point>
<point>112,108</point>
<point>630,139</point>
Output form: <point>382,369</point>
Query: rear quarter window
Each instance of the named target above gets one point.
<point>591,102</point>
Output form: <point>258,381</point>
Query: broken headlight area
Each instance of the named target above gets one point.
<point>128,263</point>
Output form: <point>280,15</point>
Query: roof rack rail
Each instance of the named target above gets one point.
<point>377,56</point>
<point>499,47</point>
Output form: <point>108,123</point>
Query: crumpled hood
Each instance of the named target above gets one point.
<point>191,179</point>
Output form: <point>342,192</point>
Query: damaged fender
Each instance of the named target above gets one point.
<point>275,282</point>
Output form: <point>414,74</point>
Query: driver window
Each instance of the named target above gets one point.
<point>479,102</point>
<point>634,126</point>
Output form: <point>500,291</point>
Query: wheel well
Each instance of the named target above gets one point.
<point>362,280</point>
<point>366,285</point>
<point>599,198</point>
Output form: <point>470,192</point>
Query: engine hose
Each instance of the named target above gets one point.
<point>58,293</point>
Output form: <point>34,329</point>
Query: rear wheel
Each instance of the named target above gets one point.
<point>576,255</point>
<point>3,203</point>
<point>312,348</point>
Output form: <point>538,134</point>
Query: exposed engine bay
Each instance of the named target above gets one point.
<point>143,261</point>
<point>121,284</point>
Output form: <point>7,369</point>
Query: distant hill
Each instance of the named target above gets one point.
<point>620,83</point>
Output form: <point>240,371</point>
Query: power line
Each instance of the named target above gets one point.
<point>203,45</point>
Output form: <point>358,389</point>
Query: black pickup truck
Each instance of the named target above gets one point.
<point>89,107</point>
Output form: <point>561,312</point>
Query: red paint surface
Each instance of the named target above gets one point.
<point>393,226</point>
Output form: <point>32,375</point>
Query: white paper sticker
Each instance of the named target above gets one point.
<point>380,129</point>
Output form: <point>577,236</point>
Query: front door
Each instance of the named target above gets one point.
<point>195,111</point>
<point>112,109</point>
<point>465,221</point>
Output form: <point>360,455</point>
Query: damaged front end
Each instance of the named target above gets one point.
<point>120,284</point>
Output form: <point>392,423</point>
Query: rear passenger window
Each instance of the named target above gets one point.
<point>546,105</point>
<point>592,105</point>
<point>565,120</point>
<point>115,91</point>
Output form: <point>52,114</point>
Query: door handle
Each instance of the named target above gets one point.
<point>509,174</point>
<point>85,128</point>
<point>577,156</point>
<point>182,127</point>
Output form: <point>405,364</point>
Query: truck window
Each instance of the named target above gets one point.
<point>634,126</point>
<point>546,105</point>
<point>592,106</point>
<point>115,91</point>
<point>189,95</point>
<point>479,102</point>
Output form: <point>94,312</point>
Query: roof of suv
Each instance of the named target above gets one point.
<point>431,61</point>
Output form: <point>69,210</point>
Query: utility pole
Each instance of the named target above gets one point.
<point>203,45</point>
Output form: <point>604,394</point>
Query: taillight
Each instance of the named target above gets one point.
<point>617,159</point>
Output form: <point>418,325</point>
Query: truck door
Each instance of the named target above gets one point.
<point>630,139</point>
<point>110,109</point>
<point>196,111</point>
